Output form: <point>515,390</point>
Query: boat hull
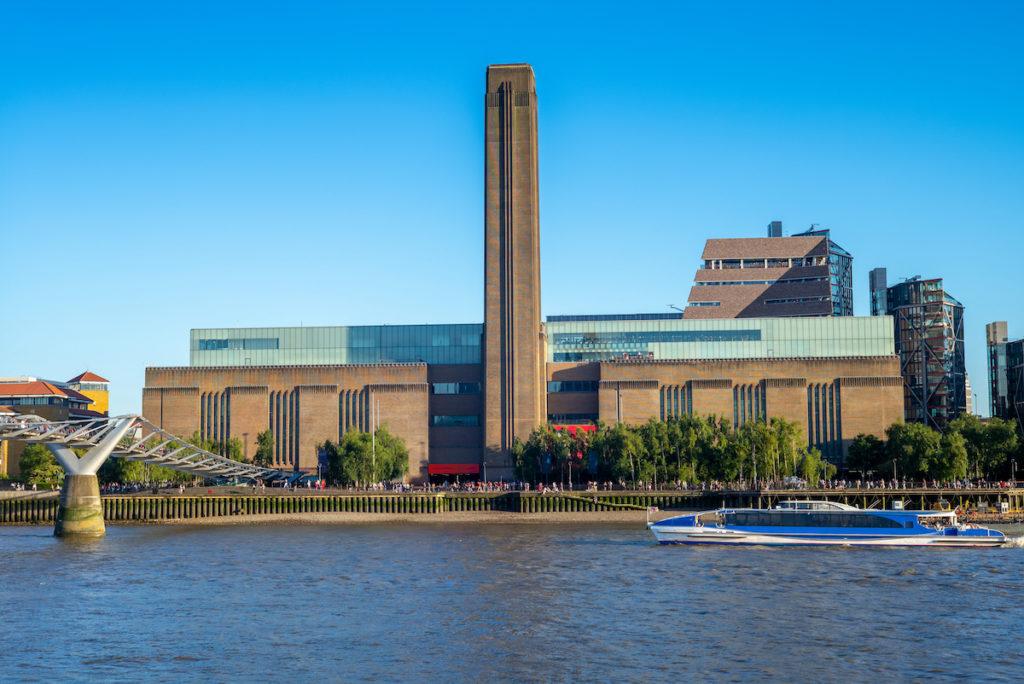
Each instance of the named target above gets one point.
<point>704,535</point>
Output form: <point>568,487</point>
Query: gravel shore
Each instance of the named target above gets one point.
<point>500,517</point>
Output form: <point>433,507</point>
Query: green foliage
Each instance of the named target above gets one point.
<point>234,450</point>
<point>544,454</point>
<point>685,448</point>
<point>361,458</point>
<point>914,447</point>
<point>990,445</point>
<point>953,463</point>
<point>813,467</point>
<point>231,449</point>
<point>123,471</point>
<point>264,455</point>
<point>39,467</point>
<point>866,454</point>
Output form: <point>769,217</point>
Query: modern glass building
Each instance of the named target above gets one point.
<point>668,336</point>
<point>1005,372</point>
<point>336,345</point>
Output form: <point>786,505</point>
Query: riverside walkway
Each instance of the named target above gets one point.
<point>227,502</point>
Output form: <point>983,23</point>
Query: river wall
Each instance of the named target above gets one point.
<point>155,508</point>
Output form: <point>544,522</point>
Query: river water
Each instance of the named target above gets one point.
<point>495,601</point>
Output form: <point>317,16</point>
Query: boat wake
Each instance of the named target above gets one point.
<point>1014,543</point>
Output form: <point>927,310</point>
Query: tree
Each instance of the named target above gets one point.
<point>623,453</point>
<point>264,455</point>
<point>913,447</point>
<point>953,462</point>
<point>990,445</point>
<point>362,458</point>
<point>39,467</point>
<point>686,448</point>
<point>812,467</point>
<point>233,449</point>
<point>866,453</point>
<point>789,443</point>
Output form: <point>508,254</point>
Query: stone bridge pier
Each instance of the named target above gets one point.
<point>80,513</point>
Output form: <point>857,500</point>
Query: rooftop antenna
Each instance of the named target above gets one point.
<point>673,306</point>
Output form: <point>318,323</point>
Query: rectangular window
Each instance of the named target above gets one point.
<point>243,343</point>
<point>456,388</point>
<point>455,421</point>
<point>572,386</point>
<point>260,343</point>
<point>616,340</point>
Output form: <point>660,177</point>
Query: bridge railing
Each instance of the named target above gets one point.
<point>144,442</point>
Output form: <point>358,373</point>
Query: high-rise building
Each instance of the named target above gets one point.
<point>995,342</point>
<point>929,338</point>
<point>1005,372</point>
<point>1015,380</point>
<point>513,337</point>
<point>968,394</point>
<point>878,281</point>
<point>803,275</point>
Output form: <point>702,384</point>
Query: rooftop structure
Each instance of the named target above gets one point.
<point>287,346</point>
<point>603,338</point>
<point>803,275</point>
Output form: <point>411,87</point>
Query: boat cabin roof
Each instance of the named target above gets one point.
<point>793,505</point>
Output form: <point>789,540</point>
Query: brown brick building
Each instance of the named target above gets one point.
<point>802,275</point>
<point>459,394</point>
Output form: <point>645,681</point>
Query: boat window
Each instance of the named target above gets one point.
<point>790,518</point>
<point>712,518</point>
<point>937,522</point>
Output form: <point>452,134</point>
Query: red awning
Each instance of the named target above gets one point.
<point>572,429</point>
<point>453,469</point>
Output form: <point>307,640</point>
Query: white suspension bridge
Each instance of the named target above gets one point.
<point>130,437</point>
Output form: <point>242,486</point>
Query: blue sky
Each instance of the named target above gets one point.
<point>165,165</point>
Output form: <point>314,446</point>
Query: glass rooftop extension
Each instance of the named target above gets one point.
<point>433,344</point>
<point>599,339</point>
<point>570,338</point>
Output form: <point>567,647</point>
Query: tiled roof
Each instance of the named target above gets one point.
<point>88,376</point>
<point>40,388</point>
<point>30,389</point>
<point>765,248</point>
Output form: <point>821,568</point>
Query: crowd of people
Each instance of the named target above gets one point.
<point>789,484</point>
<point>477,486</point>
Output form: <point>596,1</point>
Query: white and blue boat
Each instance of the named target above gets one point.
<point>823,523</point>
